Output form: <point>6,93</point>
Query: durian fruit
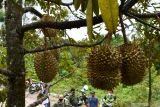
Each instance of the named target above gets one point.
<point>105,81</point>
<point>55,52</point>
<point>49,32</point>
<point>46,66</point>
<point>134,64</point>
<point>104,58</point>
<point>103,67</point>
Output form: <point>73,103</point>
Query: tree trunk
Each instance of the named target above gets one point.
<point>15,56</point>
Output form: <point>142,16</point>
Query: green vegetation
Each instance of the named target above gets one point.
<point>71,60</point>
<point>74,59</point>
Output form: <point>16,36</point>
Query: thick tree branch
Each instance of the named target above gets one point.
<point>77,23</point>
<point>64,45</point>
<point>60,25</point>
<point>5,72</point>
<point>141,21</point>
<point>128,4</point>
<point>32,10</point>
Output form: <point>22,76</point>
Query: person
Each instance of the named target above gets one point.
<point>46,102</point>
<point>83,97</point>
<point>93,101</point>
<point>62,102</point>
<point>73,99</point>
<point>109,99</point>
<point>28,82</point>
<point>42,93</point>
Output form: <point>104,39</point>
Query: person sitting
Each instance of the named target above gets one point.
<point>109,99</point>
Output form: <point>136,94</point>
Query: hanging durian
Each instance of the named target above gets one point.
<point>46,66</point>
<point>55,52</point>
<point>103,66</point>
<point>134,64</point>
<point>104,81</point>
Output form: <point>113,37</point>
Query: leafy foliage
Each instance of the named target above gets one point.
<point>1,16</point>
<point>111,18</point>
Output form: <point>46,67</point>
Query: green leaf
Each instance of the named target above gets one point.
<point>84,5</point>
<point>95,7</point>
<point>89,19</point>
<point>110,12</point>
<point>77,4</point>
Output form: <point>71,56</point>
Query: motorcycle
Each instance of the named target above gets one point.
<point>34,87</point>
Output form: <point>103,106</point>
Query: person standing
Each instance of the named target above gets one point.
<point>93,101</point>
<point>83,97</point>
<point>44,92</point>
<point>73,99</point>
<point>109,99</point>
<point>62,102</point>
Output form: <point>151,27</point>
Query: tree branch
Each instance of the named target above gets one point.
<point>141,21</point>
<point>60,25</point>
<point>32,10</point>
<point>123,29</point>
<point>82,22</point>
<point>73,13</point>
<point>60,79</point>
<point>63,45</point>
<point>5,72</point>
<point>145,15</point>
<point>36,103</point>
<point>128,4</point>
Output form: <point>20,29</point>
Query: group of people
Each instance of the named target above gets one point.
<point>70,99</point>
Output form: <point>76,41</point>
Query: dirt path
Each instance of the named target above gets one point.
<point>30,98</point>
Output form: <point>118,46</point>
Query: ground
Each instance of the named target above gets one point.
<point>30,98</point>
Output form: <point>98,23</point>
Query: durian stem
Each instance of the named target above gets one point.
<point>109,38</point>
<point>45,43</point>
<point>48,6</point>
<point>123,29</point>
